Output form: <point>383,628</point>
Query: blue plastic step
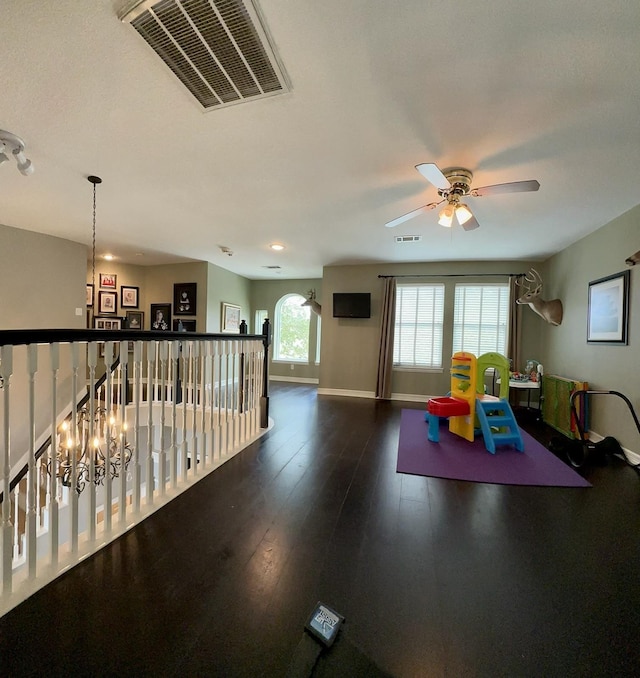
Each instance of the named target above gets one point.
<point>505,419</point>
<point>499,420</point>
<point>505,438</point>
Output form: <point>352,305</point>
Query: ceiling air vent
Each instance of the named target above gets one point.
<point>273,268</point>
<point>219,49</point>
<point>408,238</point>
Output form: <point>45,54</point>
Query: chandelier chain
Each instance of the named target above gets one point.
<point>93,249</point>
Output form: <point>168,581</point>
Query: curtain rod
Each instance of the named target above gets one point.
<point>452,275</point>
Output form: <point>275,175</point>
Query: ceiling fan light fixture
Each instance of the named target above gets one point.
<point>463,214</point>
<point>454,184</point>
<point>445,217</point>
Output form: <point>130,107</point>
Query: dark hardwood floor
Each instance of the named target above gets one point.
<point>434,577</point>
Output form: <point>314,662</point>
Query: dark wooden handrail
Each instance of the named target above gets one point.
<point>22,337</point>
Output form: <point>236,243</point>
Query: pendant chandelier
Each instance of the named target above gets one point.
<point>96,448</point>
<point>99,449</point>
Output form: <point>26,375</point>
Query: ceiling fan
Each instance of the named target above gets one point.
<point>453,184</point>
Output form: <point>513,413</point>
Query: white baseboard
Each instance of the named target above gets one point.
<point>298,380</point>
<point>346,393</point>
<point>406,397</point>
<point>411,398</point>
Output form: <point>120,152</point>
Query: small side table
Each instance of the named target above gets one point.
<point>529,386</point>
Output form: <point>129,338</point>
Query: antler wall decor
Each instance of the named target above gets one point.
<point>551,311</point>
<point>633,259</point>
<point>311,301</point>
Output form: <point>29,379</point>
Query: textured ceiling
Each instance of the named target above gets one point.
<point>545,90</point>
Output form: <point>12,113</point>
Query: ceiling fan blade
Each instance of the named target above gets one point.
<point>410,215</point>
<point>470,224</point>
<point>513,187</point>
<point>433,174</point>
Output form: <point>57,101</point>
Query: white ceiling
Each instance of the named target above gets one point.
<point>545,89</point>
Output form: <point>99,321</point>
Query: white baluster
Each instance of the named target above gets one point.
<point>137,386</point>
<point>208,347</point>
<point>235,401</point>
<point>53,500</point>
<point>72,449</point>
<point>6,370</point>
<point>202,404</point>
<point>123,432</point>
<point>242,387</point>
<point>32,474</point>
<point>174,347</point>
<point>218,398</point>
<point>92,447</point>
<point>151,370</point>
<point>195,447</point>
<point>107,434</point>
<point>163,453</point>
<point>224,437</point>
<point>186,360</point>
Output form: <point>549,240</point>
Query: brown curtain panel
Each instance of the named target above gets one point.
<point>515,324</point>
<point>385,354</point>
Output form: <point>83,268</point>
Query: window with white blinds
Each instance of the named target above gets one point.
<point>481,318</point>
<point>419,325</point>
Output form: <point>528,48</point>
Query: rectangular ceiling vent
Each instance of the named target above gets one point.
<point>273,268</point>
<point>408,238</point>
<point>219,49</point>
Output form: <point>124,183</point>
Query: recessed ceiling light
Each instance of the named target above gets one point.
<point>276,246</point>
<point>108,257</point>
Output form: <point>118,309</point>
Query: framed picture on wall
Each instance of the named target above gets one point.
<point>108,281</point>
<point>107,302</point>
<point>608,310</point>
<point>89,295</point>
<point>185,325</point>
<point>129,296</point>
<point>184,298</point>
<point>107,323</point>
<point>161,317</point>
<point>134,320</point>
<point>230,318</point>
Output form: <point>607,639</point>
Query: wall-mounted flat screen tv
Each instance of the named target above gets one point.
<point>351,304</point>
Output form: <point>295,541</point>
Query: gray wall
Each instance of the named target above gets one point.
<point>349,357</point>
<point>223,286</point>
<point>264,295</point>
<point>566,351</point>
<point>42,281</point>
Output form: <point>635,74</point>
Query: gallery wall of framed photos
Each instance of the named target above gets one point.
<point>113,293</point>
<point>194,292</point>
<point>144,297</point>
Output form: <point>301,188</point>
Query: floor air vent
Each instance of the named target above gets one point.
<point>218,49</point>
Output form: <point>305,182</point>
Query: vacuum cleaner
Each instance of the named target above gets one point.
<point>587,452</point>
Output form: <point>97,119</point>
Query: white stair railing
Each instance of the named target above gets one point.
<point>73,478</point>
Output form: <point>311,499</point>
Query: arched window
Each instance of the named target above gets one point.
<point>291,330</point>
